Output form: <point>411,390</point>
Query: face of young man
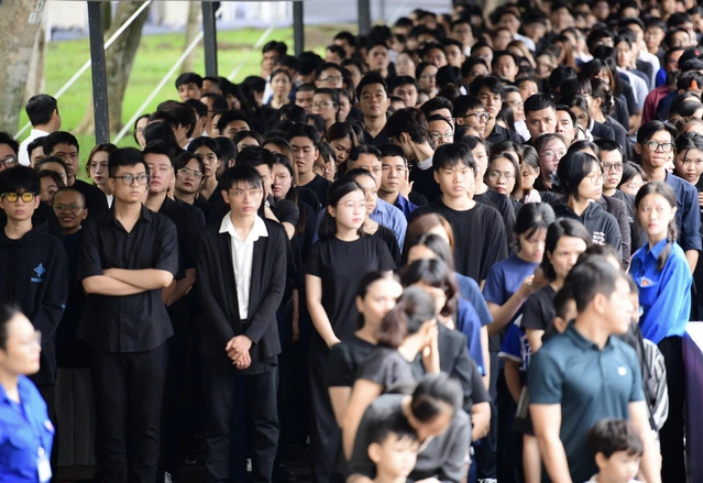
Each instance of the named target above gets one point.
<point>304,154</point>
<point>618,308</point>
<point>505,67</point>
<point>394,171</point>
<point>565,126</point>
<point>69,207</point>
<point>188,91</point>
<point>234,127</point>
<point>374,101</point>
<point>408,93</point>
<point>492,102</point>
<point>130,184</point>
<point>19,205</point>
<point>304,99</point>
<point>69,154</point>
<point>377,58</point>
<point>455,56</point>
<point>48,189</point>
<point>244,199</point>
<point>267,62</point>
<point>370,163</point>
<point>441,132</point>
<point>8,158</point>
<point>161,172</point>
<point>331,78</point>
<point>456,181</point>
<point>542,121</point>
<point>56,168</point>
<point>612,168</point>
<point>462,33</point>
<point>267,178</point>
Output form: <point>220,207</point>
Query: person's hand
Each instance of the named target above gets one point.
<point>295,329</point>
<point>405,186</point>
<point>527,287</point>
<point>700,198</point>
<point>237,346</point>
<point>333,341</point>
<point>430,354</point>
<point>243,362</point>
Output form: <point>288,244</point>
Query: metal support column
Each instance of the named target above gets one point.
<point>364,16</point>
<point>99,73</point>
<point>210,39</point>
<point>298,29</point>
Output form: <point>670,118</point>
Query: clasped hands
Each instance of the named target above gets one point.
<point>238,350</point>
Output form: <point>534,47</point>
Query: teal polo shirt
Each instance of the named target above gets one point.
<point>590,384</point>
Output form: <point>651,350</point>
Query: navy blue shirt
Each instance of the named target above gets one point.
<point>468,322</point>
<point>25,431</point>
<point>589,384</point>
<point>665,295</point>
<point>688,218</point>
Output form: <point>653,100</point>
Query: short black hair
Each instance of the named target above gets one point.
<point>409,120</point>
<point>490,82</point>
<point>219,103</point>
<point>303,131</point>
<point>38,142</point>
<point>227,149</point>
<point>196,105</point>
<point>436,104</point>
<point>363,149</point>
<point>56,177</point>
<point>451,155</point>
<point>469,64</point>
<point>125,157</point>
<point>387,422</point>
<point>208,142</point>
<point>537,102</point>
<point>21,178</point>
<point>231,116</point>
<point>430,392</point>
<point>593,276</point>
<point>464,104</point>
<point>402,80</point>
<point>241,174</point>
<point>184,115</point>
<point>609,436</point>
<point>392,151</point>
<point>279,47</point>
<point>68,189</point>
<point>327,65</point>
<point>573,168</point>
<point>5,138</point>
<point>159,148</point>
<point>40,108</point>
<point>189,78</point>
<point>49,159</point>
<point>59,137</point>
<point>185,157</point>
<point>255,156</point>
<point>369,79</point>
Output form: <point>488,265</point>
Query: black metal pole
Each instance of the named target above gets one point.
<point>364,16</point>
<point>99,73</point>
<point>298,29</point>
<point>210,38</point>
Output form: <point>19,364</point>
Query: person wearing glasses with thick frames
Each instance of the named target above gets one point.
<point>127,258</point>
<point>655,145</point>
<point>469,110</point>
<point>36,270</point>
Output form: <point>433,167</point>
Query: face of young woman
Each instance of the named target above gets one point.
<point>210,159</point>
<point>281,85</point>
<point>428,78</point>
<point>655,213</point>
<point>22,348</point>
<point>514,100</point>
<point>591,187</point>
<point>370,190</point>
<point>657,150</point>
<point>481,159</point>
<point>189,178</point>
<point>532,247</point>
<point>282,181</point>
<point>323,105</point>
<point>581,116</point>
<point>350,211</point>
<point>344,108</point>
<point>528,176</point>
<point>381,297</point>
<point>550,155</point>
<point>688,165</point>
<point>501,176</point>
<point>565,254</point>
<point>98,168</point>
<point>342,149</point>
<point>632,186</point>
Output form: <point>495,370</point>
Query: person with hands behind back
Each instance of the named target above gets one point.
<point>241,266</point>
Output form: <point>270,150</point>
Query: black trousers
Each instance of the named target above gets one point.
<point>325,435</point>
<point>129,390</point>
<point>232,399</point>
<point>671,435</point>
<point>485,451</point>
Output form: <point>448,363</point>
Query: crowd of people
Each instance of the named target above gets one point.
<point>464,247</point>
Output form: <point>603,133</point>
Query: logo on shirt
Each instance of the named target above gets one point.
<point>645,282</point>
<point>622,371</point>
<point>598,238</point>
<point>39,270</point>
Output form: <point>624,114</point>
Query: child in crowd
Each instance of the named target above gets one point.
<point>393,447</point>
<point>617,448</point>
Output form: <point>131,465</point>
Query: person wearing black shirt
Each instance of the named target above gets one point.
<point>408,128</point>
<point>241,264</point>
<point>490,90</point>
<point>335,266</point>
<point>128,256</point>
<point>304,141</point>
<point>188,224</point>
<point>372,92</point>
<point>479,231</point>
<point>64,145</point>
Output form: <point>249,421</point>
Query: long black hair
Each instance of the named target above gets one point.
<point>561,228</point>
<point>414,308</point>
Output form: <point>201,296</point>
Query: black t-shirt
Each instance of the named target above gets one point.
<point>341,265</point>
<point>319,186</point>
<point>308,197</point>
<point>504,206</point>
<point>424,183</point>
<point>285,211</point>
<point>539,310</point>
<point>95,199</point>
<point>388,237</point>
<point>376,141</point>
<point>479,237</point>
<point>385,367</point>
<point>344,361</point>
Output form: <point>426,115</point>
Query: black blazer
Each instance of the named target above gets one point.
<point>602,131</point>
<point>218,292</point>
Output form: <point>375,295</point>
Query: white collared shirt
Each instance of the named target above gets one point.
<point>23,154</point>
<point>243,258</point>
<point>426,164</point>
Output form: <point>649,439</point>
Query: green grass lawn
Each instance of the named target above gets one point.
<point>156,55</point>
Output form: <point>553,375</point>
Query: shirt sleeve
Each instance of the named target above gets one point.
<point>167,251</point>
<point>533,315</point>
<point>313,265</point>
<point>511,348</point>
<point>479,393</point>
<point>545,379</point>
<point>471,292</point>
<point>493,288</point>
<point>400,225</point>
<point>690,238</point>
<point>637,391</point>
<point>89,256</point>
<point>385,260</point>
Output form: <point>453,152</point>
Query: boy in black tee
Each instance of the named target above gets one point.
<point>479,232</point>
<point>304,142</point>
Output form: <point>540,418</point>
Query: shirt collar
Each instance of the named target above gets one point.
<point>426,164</point>
<point>657,249</point>
<point>579,340</point>
<point>257,231</point>
<point>146,214</point>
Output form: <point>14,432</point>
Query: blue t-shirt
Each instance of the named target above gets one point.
<point>469,289</point>
<point>25,430</point>
<point>665,295</point>
<point>516,348</point>
<point>469,324</point>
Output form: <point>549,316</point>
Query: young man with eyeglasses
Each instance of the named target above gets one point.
<point>64,145</point>
<point>441,131</point>
<point>329,75</point>
<point>128,257</point>
<point>188,221</point>
<point>489,89</point>
<point>469,111</point>
<point>8,152</point>
<point>35,269</point>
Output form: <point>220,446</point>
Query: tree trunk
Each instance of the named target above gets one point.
<point>19,22</point>
<point>119,60</point>
<point>192,28</point>
<point>35,77</point>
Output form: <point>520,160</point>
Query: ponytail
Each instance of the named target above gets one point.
<point>414,308</point>
<point>393,328</point>
<point>670,239</point>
